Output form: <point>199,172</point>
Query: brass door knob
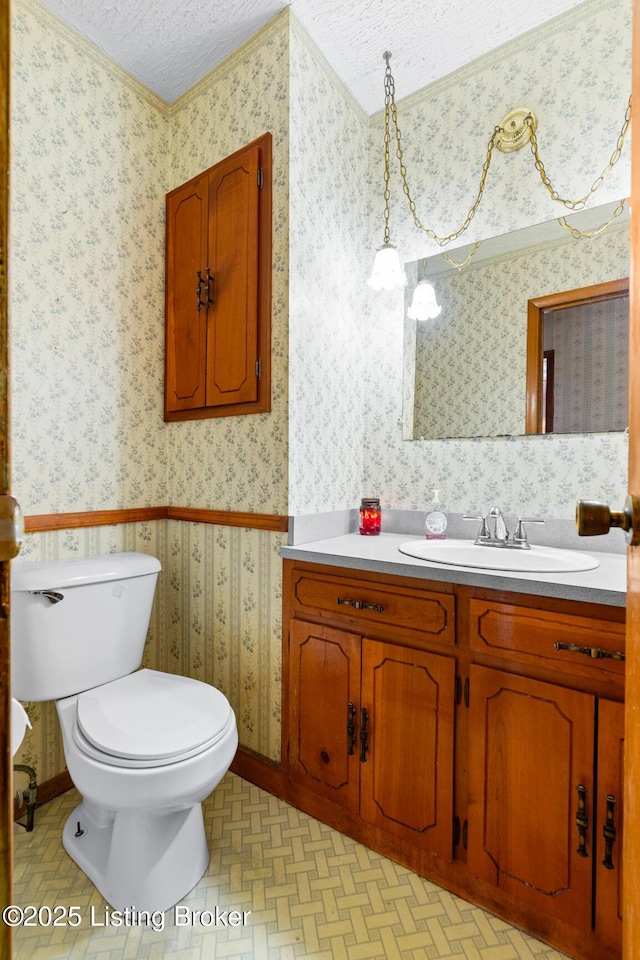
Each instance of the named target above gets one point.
<point>594,519</point>
<point>11,528</point>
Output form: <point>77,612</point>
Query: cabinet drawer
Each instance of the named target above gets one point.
<point>368,603</point>
<point>576,644</point>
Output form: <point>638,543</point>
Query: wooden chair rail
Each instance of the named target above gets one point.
<point>39,523</point>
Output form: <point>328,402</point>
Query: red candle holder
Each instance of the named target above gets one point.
<point>370,517</point>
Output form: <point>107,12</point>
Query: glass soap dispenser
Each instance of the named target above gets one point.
<point>436,522</point>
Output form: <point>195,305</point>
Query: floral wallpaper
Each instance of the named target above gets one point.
<point>327,330</point>
<point>90,155</point>
<point>575,74</point>
<point>470,368</point>
<point>239,463</point>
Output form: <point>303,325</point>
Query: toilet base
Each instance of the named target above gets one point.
<point>145,860</point>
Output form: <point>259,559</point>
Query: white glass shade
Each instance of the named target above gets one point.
<point>387,271</point>
<point>424,305</point>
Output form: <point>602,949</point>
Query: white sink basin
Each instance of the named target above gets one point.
<point>465,553</point>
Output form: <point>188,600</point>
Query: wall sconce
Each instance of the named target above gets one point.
<point>424,305</point>
<point>515,130</point>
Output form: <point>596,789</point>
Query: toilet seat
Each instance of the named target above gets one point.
<point>150,719</point>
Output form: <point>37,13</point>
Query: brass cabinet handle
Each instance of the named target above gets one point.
<point>609,832</point>
<point>204,283</point>
<point>360,604</point>
<point>351,728</point>
<point>596,653</point>
<point>364,736</point>
<point>582,821</point>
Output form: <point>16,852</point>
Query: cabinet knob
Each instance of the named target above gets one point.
<point>594,519</point>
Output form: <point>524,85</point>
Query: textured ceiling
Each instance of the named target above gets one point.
<point>169,44</point>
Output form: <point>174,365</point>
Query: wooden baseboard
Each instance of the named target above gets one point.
<point>257,769</point>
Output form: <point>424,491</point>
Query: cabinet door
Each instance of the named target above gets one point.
<point>609,823</point>
<point>531,745</point>
<point>186,325</point>
<point>232,341</point>
<point>407,776</point>
<point>324,667</point>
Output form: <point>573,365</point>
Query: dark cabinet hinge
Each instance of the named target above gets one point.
<point>258,369</point>
<point>260,178</point>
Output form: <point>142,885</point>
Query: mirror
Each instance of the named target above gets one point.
<point>577,360</point>
<point>465,373</point>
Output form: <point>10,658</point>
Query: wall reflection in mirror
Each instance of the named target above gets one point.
<point>465,372</point>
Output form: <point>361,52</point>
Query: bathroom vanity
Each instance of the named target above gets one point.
<point>469,725</point>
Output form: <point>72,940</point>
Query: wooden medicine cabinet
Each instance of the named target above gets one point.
<point>218,289</point>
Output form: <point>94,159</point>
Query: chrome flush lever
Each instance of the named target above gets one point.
<point>51,595</point>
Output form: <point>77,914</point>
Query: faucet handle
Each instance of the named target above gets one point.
<point>484,530</point>
<point>520,536</point>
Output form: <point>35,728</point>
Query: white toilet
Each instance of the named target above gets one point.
<point>143,748</point>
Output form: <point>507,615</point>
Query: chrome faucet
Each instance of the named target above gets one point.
<point>499,535</point>
<point>500,532</point>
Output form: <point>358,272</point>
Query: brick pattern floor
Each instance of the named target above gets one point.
<point>312,893</point>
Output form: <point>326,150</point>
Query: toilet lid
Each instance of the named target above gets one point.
<point>150,715</point>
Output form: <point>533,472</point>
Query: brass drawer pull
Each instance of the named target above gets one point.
<point>360,605</point>
<point>582,821</point>
<point>609,832</point>
<point>206,284</point>
<point>364,734</point>
<point>351,728</point>
<point>596,653</point>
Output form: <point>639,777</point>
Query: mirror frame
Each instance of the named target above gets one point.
<point>535,337</point>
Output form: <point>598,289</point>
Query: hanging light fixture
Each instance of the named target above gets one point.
<point>515,130</point>
<point>424,305</point>
<point>387,273</point>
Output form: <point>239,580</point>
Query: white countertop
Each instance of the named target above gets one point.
<point>605,584</point>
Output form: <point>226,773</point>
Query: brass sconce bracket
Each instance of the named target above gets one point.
<point>515,130</point>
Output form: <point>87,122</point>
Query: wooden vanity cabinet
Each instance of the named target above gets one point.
<point>494,728</point>
<point>218,289</point>
<point>545,767</point>
<point>530,775</point>
<point>371,717</point>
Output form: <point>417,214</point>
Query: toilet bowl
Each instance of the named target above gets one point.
<point>143,748</point>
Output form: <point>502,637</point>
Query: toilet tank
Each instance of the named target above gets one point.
<point>76,624</point>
